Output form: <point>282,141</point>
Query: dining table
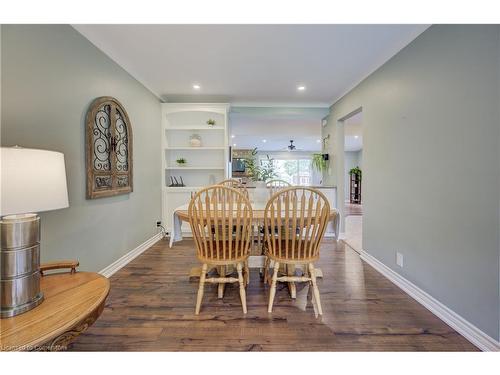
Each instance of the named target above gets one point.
<point>257,257</point>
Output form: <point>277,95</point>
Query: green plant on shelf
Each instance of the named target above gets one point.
<point>319,163</point>
<point>211,122</point>
<point>181,162</point>
<point>356,171</point>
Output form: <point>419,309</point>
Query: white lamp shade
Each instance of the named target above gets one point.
<point>32,181</point>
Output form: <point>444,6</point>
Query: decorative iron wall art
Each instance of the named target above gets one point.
<point>109,149</point>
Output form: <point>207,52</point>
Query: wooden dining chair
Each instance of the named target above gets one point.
<point>295,221</point>
<point>277,185</point>
<point>231,182</point>
<point>221,222</point>
<point>236,184</point>
<point>61,264</point>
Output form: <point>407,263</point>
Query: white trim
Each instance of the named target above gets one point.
<point>324,105</point>
<point>455,321</point>
<point>344,240</point>
<point>131,255</point>
<point>342,236</point>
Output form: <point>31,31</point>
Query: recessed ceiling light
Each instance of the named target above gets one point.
<point>301,88</point>
<point>356,136</point>
<point>232,136</point>
<point>196,87</point>
<point>264,140</point>
<point>234,144</point>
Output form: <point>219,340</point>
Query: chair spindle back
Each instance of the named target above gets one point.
<point>277,185</point>
<point>295,221</point>
<point>221,222</point>
<point>233,183</point>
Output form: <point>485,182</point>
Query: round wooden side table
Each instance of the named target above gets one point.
<point>73,302</point>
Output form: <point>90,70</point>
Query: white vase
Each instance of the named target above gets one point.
<point>195,140</point>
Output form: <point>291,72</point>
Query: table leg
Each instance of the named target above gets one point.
<point>195,272</point>
<point>290,270</point>
<point>259,239</point>
<point>220,289</point>
<point>318,272</point>
<point>260,249</point>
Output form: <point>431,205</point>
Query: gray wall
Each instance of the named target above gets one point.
<point>360,159</point>
<point>431,178</point>
<point>352,159</point>
<point>50,75</point>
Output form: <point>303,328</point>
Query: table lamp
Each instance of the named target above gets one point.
<point>31,181</point>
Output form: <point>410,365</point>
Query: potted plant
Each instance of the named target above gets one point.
<point>211,122</point>
<point>356,171</point>
<point>259,173</point>
<point>320,162</point>
<point>181,162</point>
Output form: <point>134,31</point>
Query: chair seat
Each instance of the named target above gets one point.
<point>229,256</point>
<point>295,255</point>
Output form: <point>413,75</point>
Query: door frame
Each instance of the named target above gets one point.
<point>339,145</point>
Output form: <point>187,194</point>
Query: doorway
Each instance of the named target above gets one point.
<point>353,180</point>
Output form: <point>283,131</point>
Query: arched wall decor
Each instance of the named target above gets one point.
<point>109,149</point>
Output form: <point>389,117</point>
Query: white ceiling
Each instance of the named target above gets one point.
<point>250,64</point>
<point>250,126</point>
<point>353,132</point>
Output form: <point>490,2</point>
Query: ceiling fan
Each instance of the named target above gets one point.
<point>291,146</point>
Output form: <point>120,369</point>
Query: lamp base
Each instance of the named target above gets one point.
<point>9,312</point>
<point>19,264</point>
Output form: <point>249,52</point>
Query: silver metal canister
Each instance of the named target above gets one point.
<point>19,264</point>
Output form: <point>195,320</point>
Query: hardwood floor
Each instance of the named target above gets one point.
<point>151,308</point>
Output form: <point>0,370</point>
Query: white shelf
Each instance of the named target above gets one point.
<point>194,168</point>
<point>195,148</point>
<point>205,166</point>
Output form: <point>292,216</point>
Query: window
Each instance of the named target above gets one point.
<point>295,171</point>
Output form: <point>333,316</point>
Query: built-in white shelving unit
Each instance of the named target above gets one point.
<point>205,165</point>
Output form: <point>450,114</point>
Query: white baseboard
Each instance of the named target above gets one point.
<point>131,255</point>
<point>455,321</point>
<point>344,240</point>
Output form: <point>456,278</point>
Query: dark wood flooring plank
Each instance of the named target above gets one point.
<point>152,299</point>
